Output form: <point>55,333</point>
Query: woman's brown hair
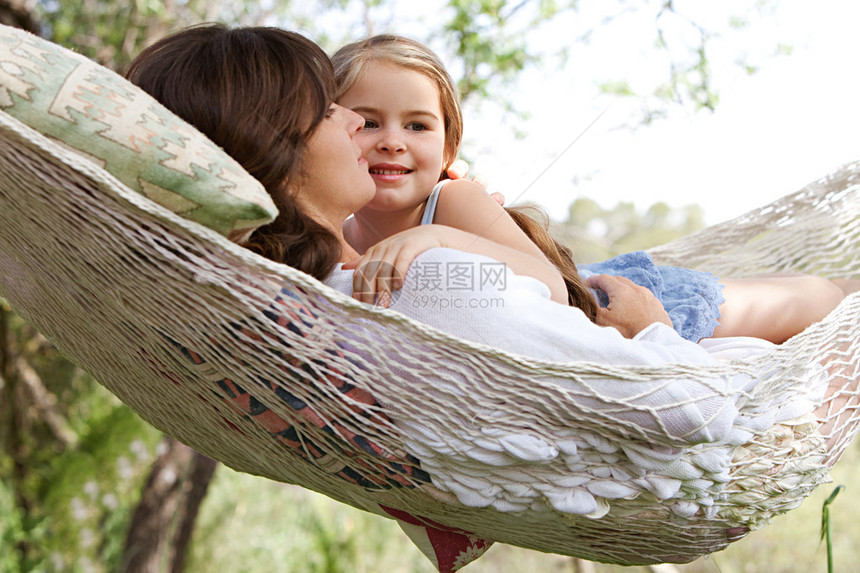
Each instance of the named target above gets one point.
<point>259,93</point>
<point>578,294</point>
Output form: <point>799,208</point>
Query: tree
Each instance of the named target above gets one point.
<point>486,43</point>
<point>112,33</point>
<point>160,529</point>
<point>64,439</point>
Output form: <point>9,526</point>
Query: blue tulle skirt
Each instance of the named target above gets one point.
<point>692,298</point>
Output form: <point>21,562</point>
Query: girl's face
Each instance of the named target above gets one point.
<point>335,182</point>
<point>403,138</point>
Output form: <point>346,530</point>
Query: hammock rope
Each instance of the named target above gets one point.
<point>270,372</point>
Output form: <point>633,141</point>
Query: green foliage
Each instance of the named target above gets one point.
<point>112,33</point>
<point>91,491</point>
<point>71,462</point>
<point>493,41</point>
<point>105,32</point>
<point>617,87</point>
<point>825,526</point>
<point>784,49</point>
<point>488,51</point>
<point>692,78</point>
<point>80,499</point>
<point>596,233</point>
<point>11,530</point>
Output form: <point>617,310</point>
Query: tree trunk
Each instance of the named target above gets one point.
<point>160,529</point>
<point>16,424</point>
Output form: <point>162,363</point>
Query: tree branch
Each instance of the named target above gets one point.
<point>45,403</point>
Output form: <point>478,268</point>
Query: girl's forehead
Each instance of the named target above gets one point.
<point>387,66</point>
<point>390,78</point>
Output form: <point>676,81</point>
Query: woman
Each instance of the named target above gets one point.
<point>266,96</point>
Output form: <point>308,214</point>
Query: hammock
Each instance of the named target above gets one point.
<point>272,373</point>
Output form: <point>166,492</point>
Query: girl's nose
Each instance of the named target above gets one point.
<point>390,142</point>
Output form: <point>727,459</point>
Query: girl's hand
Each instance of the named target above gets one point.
<point>631,307</point>
<point>459,169</point>
<point>380,270</point>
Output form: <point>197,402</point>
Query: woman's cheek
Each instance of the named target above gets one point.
<point>365,142</point>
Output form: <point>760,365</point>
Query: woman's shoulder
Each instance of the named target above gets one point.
<point>340,279</point>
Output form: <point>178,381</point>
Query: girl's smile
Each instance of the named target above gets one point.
<point>388,171</point>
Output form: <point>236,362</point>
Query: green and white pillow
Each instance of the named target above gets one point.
<point>123,130</point>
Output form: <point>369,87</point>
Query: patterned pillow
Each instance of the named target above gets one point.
<point>120,128</point>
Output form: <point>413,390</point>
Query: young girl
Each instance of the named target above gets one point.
<point>413,128</point>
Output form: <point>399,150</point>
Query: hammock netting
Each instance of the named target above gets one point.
<point>272,373</point>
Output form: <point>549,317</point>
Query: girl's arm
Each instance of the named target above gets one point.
<point>380,270</point>
<point>466,206</point>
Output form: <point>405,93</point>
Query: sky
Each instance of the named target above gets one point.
<point>774,131</point>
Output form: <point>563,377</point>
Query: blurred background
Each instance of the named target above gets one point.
<point>630,122</point>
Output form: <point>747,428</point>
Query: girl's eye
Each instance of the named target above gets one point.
<point>331,110</point>
<point>369,124</point>
<point>416,127</point>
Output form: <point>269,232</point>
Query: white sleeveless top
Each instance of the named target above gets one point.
<point>430,207</point>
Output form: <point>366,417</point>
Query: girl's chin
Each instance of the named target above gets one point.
<point>388,205</point>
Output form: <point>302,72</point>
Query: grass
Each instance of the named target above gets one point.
<point>257,526</point>
<point>252,525</point>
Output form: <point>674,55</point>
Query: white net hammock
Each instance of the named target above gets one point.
<point>267,370</point>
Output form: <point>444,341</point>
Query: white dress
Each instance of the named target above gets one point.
<point>478,299</point>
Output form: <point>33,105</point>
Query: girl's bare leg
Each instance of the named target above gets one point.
<point>776,307</point>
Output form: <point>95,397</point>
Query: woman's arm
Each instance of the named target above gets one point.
<point>380,270</point>
<point>631,307</point>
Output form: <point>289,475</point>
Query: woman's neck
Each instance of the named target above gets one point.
<point>347,252</point>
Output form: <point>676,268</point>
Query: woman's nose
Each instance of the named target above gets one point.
<point>354,121</point>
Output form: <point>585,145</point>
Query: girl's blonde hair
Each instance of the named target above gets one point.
<point>351,62</point>
<point>535,224</point>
